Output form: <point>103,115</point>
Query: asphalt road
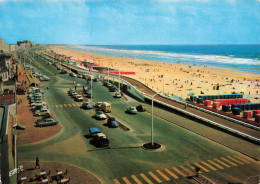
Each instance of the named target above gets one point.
<point>125,160</point>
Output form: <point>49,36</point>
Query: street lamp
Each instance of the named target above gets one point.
<point>91,90</point>
<point>108,74</point>
<point>119,82</point>
<point>152,118</point>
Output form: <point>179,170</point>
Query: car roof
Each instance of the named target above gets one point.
<point>94,130</point>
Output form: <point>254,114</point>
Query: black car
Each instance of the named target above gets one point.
<point>111,121</point>
<point>141,108</point>
<point>112,89</point>
<point>101,142</point>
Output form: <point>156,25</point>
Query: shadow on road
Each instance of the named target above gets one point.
<point>107,148</point>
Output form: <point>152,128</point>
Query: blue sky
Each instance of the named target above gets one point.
<point>103,22</point>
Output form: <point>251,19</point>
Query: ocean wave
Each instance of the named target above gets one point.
<point>220,59</point>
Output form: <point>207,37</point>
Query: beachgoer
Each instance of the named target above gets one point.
<point>37,163</point>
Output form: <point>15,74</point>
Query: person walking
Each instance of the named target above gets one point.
<point>37,163</point>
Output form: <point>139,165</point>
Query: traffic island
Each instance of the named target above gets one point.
<point>150,146</point>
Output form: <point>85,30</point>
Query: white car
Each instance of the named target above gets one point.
<point>132,110</point>
<point>72,74</point>
<point>118,95</point>
<point>42,112</point>
<point>79,97</point>
<point>100,115</point>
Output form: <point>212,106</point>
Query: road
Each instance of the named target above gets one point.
<point>125,161</point>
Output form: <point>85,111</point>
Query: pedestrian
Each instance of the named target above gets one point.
<point>37,163</point>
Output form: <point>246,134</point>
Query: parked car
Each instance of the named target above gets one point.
<point>117,95</point>
<point>109,85</point>
<point>63,71</point>
<point>132,110</point>
<point>111,121</point>
<point>87,105</point>
<point>79,76</point>
<point>72,74</point>
<point>100,115</point>
<point>44,78</point>
<point>38,103</point>
<point>88,94</point>
<point>112,88</point>
<point>42,112</point>
<point>73,93</point>
<point>141,108</point>
<point>46,122</point>
<point>95,132</point>
<point>38,107</point>
<point>96,80</point>
<point>79,98</point>
<point>98,105</point>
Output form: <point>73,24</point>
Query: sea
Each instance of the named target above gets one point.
<point>237,57</point>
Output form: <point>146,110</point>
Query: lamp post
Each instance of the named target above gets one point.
<point>91,90</point>
<point>108,74</point>
<point>152,118</point>
<point>119,82</point>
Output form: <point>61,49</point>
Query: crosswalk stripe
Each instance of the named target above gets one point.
<point>126,180</point>
<point>235,160</point>
<point>136,179</point>
<point>53,106</point>
<point>69,105</point>
<point>229,161</point>
<point>57,106</point>
<point>163,175</point>
<point>209,166</point>
<point>170,173</point>
<point>241,159</point>
<point>109,102</point>
<point>222,162</point>
<point>178,171</point>
<point>192,167</point>
<point>78,105</point>
<point>215,164</point>
<point>65,105</point>
<point>74,105</point>
<point>200,166</point>
<point>155,177</point>
<point>116,181</point>
<point>146,179</point>
<point>185,169</point>
<point>61,106</point>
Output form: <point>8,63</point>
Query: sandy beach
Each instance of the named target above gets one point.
<point>174,78</point>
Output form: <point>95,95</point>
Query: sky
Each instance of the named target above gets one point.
<point>122,22</point>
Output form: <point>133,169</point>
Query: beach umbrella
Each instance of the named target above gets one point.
<point>191,94</point>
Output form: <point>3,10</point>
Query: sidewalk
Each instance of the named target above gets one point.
<point>25,116</point>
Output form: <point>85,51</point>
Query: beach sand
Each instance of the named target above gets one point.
<point>178,79</point>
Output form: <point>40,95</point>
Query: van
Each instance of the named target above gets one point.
<point>106,107</point>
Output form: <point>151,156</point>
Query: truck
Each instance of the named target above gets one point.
<point>106,107</point>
